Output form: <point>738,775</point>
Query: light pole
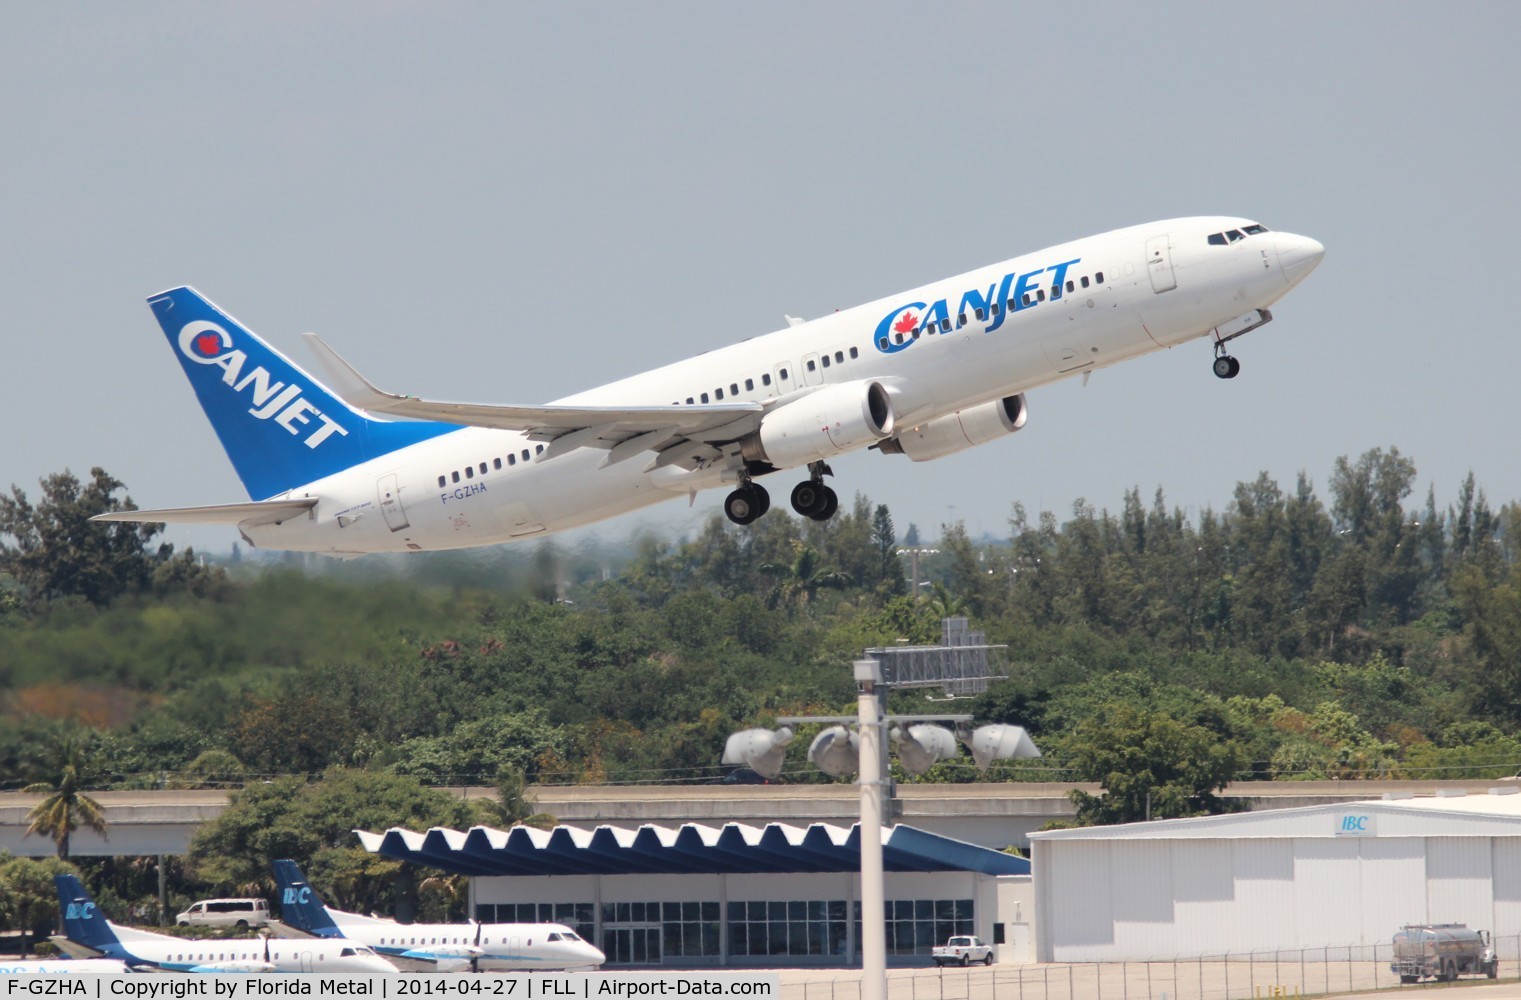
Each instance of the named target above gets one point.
<point>870,718</point>
<point>914,552</point>
<point>838,752</point>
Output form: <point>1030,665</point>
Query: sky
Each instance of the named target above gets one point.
<point>509,203</point>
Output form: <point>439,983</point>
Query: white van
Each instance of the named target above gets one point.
<point>239,913</point>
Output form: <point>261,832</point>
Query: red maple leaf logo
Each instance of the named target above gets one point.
<point>208,344</point>
<point>906,324</point>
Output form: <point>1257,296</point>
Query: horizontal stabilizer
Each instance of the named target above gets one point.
<point>255,513</point>
<point>613,425</point>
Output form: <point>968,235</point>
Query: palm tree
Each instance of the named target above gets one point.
<point>801,580</point>
<point>514,805</point>
<point>64,807</point>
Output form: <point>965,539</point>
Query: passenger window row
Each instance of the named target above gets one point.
<point>765,380</point>
<point>496,463</point>
<point>1013,305</point>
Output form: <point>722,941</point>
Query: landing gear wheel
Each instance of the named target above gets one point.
<point>808,497</point>
<point>1227,367</point>
<point>747,503</point>
<point>830,505</point>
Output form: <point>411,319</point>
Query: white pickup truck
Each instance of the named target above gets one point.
<point>962,950</point>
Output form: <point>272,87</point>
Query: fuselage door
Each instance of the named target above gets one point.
<point>1159,264</point>
<point>389,495</point>
<point>784,378</point>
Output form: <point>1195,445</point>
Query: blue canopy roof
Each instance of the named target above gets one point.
<point>689,849</point>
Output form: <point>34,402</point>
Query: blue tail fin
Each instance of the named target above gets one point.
<point>300,906</point>
<point>83,923</point>
<point>281,427</point>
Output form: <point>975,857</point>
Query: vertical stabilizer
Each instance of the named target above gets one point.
<point>280,427</point>
<point>83,923</point>
<point>300,906</point>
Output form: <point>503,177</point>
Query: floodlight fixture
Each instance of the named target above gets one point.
<point>999,742</point>
<point>762,750</point>
<point>923,746</point>
<point>835,751</point>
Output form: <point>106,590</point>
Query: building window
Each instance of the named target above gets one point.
<point>577,916</point>
<point>914,926</point>
<point>791,927</point>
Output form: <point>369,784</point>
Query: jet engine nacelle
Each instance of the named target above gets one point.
<point>959,431</point>
<point>826,422</point>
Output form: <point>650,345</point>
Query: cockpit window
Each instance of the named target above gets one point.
<point>1234,235</point>
<point>572,936</point>
<point>554,937</point>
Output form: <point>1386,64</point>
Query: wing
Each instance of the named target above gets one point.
<point>255,513</point>
<point>622,431</point>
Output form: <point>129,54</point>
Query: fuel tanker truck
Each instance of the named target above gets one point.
<point>1442,951</point>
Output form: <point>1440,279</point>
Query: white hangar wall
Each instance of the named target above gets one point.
<point>1288,880</point>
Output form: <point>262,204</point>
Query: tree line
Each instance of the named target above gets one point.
<point>1290,635</point>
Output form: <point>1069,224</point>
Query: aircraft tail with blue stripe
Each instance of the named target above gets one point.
<point>83,923</point>
<point>300,906</point>
<point>280,426</point>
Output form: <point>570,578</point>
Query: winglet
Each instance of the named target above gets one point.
<point>352,387</point>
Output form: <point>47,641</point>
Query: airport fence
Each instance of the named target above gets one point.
<point>1307,972</point>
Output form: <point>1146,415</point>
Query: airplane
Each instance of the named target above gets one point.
<point>924,373</point>
<point>88,934</point>
<point>470,947</point>
<point>66,967</point>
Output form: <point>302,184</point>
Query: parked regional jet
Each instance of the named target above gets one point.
<point>88,934</point>
<point>925,373</point>
<point>435,947</point>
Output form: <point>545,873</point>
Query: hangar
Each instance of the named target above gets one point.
<point>1287,879</point>
<point>735,895</point>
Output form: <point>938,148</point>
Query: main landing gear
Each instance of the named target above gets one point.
<point>810,498</point>
<point>747,503</point>
<point>1225,365</point>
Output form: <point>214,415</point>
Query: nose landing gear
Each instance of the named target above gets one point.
<point>1225,365</point>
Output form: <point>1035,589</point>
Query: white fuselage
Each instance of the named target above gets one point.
<point>210,955</point>
<point>486,947</point>
<point>1162,284</point>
